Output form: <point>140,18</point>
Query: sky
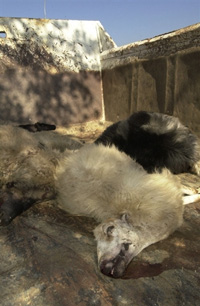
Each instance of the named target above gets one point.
<point>126,21</point>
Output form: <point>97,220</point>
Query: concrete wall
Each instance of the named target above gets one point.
<point>50,70</point>
<point>53,70</point>
<point>160,74</point>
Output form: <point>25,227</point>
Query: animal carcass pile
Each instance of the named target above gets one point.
<point>125,180</point>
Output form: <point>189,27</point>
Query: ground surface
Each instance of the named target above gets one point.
<point>48,257</point>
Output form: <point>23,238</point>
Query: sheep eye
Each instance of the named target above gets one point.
<point>109,230</point>
<point>125,218</point>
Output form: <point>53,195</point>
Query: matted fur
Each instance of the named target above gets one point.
<point>155,141</point>
<point>102,182</point>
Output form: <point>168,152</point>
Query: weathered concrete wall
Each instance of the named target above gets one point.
<point>160,74</point>
<point>50,70</point>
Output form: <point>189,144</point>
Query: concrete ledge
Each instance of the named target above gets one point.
<point>162,45</point>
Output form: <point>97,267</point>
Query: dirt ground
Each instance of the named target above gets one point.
<point>48,257</point>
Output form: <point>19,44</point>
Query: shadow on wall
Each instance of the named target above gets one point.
<point>38,82</point>
<point>62,98</point>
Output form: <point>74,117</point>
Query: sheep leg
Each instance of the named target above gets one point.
<point>190,195</point>
<point>190,190</point>
<point>191,199</point>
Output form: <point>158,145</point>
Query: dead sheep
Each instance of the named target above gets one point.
<point>155,141</point>
<point>134,208</point>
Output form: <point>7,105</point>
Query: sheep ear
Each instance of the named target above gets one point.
<point>125,217</point>
<point>109,230</point>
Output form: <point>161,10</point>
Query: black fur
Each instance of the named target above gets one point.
<point>38,127</point>
<point>155,141</point>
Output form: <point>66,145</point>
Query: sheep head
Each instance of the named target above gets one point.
<point>117,243</point>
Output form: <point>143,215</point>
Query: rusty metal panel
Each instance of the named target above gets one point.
<point>50,70</point>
